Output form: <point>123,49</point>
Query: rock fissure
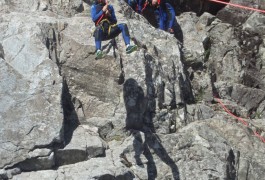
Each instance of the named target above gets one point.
<point>31,129</point>
<point>210,170</point>
<point>2,53</point>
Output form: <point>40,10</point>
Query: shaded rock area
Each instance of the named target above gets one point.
<point>157,113</point>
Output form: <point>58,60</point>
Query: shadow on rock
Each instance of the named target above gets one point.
<point>178,32</point>
<point>134,102</point>
<point>71,120</point>
<point>153,145</point>
<point>140,113</point>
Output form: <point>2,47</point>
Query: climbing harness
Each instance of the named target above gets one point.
<point>102,21</point>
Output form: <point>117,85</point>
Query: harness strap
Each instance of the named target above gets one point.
<point>101,23</point>
<point>110,28</point>
<point>110,25</point>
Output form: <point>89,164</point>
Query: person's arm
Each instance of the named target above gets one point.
<point>140,3</point>
<point>112,14</point>
<point>94,13</point>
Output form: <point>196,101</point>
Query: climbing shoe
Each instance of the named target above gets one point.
<point>99,54</point>
<point>131,48</point>
<point>171,31</point>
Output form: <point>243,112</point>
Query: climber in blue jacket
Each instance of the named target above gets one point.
<point>165,15</point>
<point>106,28</point>
<point>138,5</point>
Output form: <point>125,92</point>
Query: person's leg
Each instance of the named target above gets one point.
<point>126,36</point>
<point>170,17</point>
<point>159,15</point>
<point>125,33</point>
<point>162,18</point>
<point>122,28</point>
<point>98,37</point>
<point>132,3</point>
<point>114,31</point>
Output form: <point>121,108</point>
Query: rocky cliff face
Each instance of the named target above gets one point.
<point>153,114</point>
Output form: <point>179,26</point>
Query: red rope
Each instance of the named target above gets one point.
<point>240,119</point>
<point>99,19</point>
<point>229,112</point>
<point>259,136</point>
<point>145,5</point>
<point>238,5</point>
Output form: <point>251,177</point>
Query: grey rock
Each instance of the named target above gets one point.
<point>260,111</point>
<point>205,20</point>
<point>30,90</point>
<point>255,23</point>
<point>229,131</point>
<point>163,93</point>
<point>95,168</point>
<point>57,7</point>
<point>45,175</point>
<point>224,89</point>
<point>104,126</point>
<point>237,16</point>
<point>83,145</point>
<point>193,37</point>
<point>247,97</point>
<point>243,96</point>
<point>3,174</point>
<point>12,172</point>
<point>38,163</point>
<point>82,71</point>
<point>39,153</point>
<point>27,6</point>
<point>199,112</point>
<point>67,8</point>
<point>224,52</point>
<point>150,154</point>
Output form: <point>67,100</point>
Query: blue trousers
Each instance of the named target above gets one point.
<point>165,16</point>
<point>102,34</point>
